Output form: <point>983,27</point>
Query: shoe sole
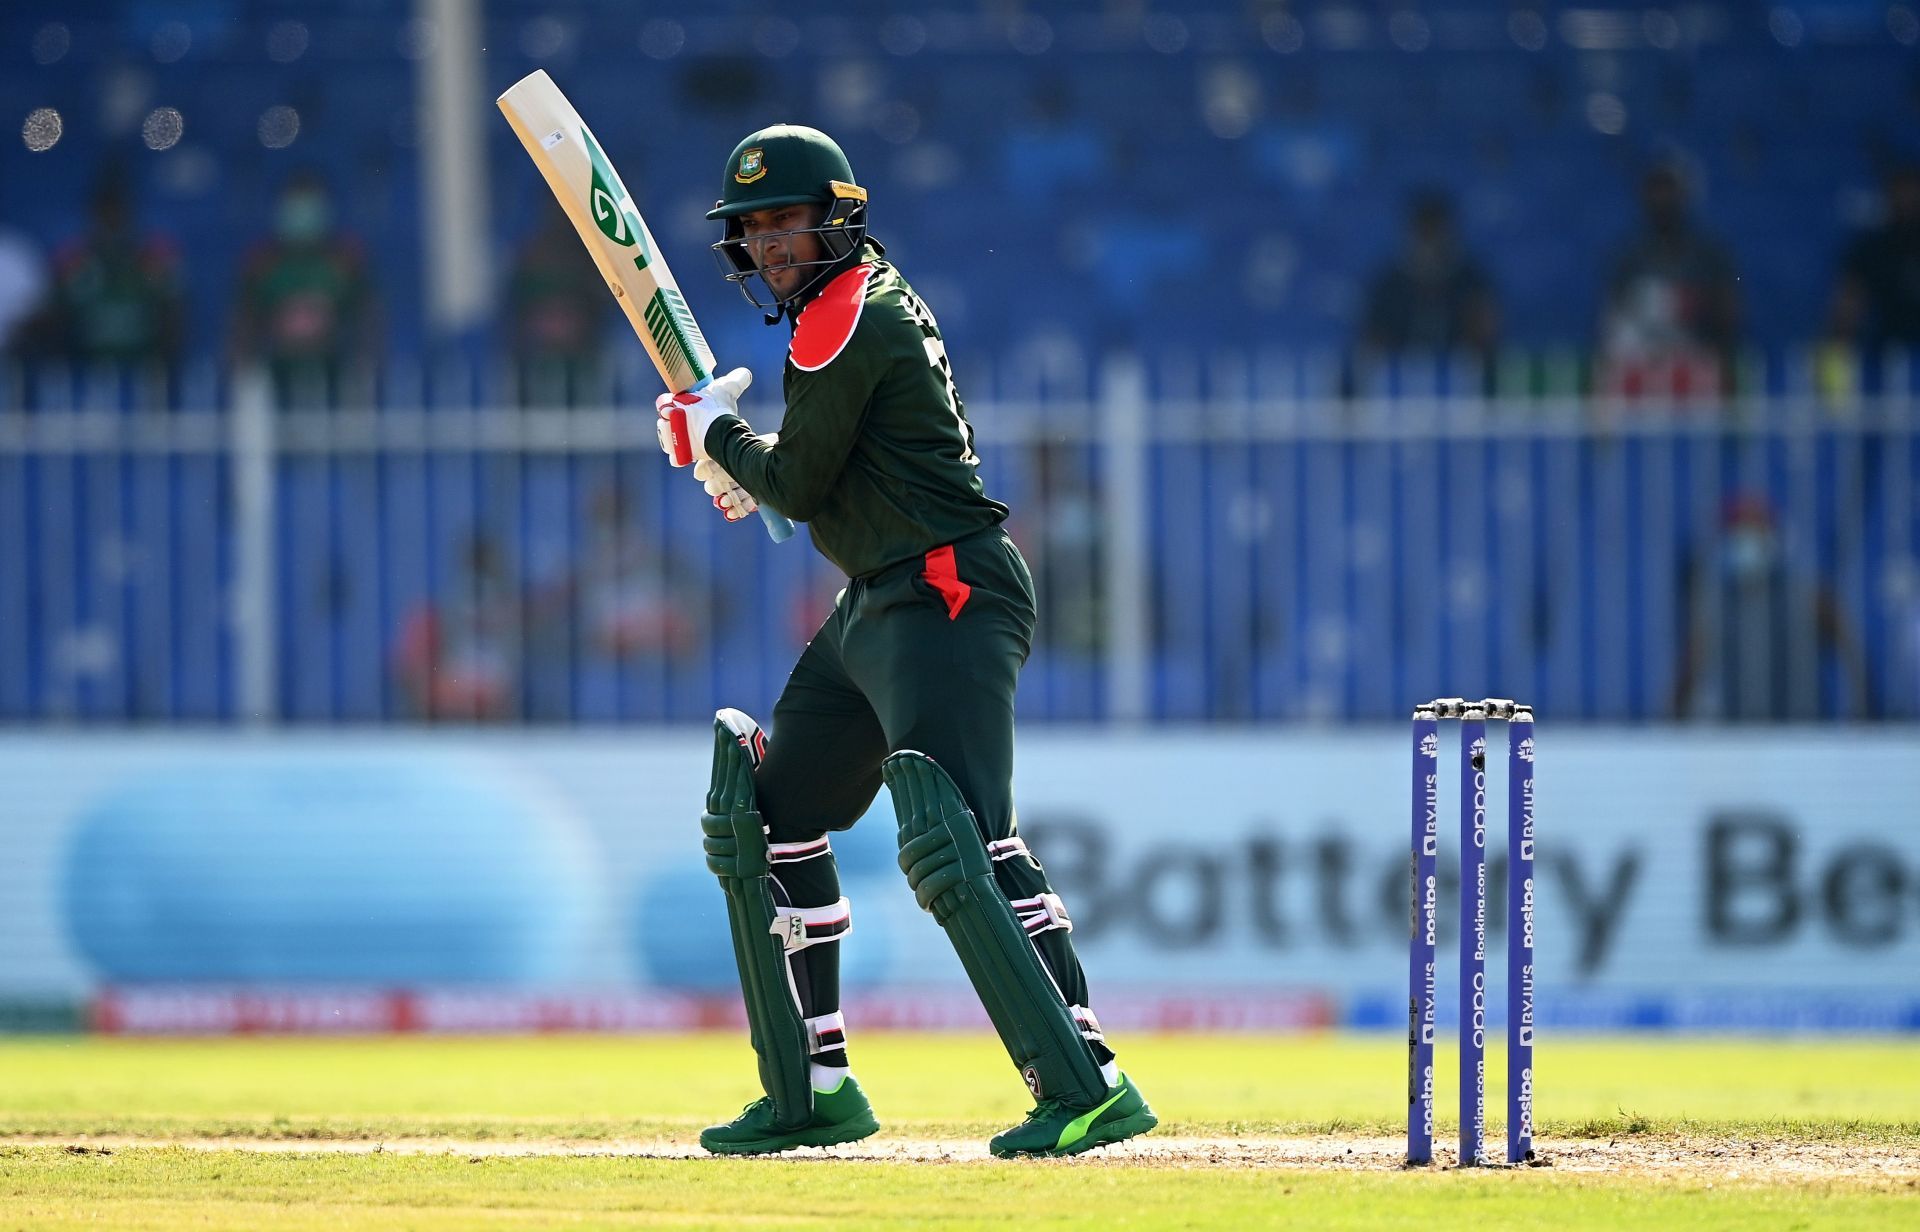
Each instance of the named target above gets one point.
<point>1100,1135</point>
<point>824,1135</point>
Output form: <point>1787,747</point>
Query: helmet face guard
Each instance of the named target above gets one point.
<point>842,230</point>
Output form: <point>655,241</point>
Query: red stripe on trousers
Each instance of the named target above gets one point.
<point>945,578</point>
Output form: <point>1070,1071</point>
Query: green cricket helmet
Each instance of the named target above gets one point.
<point>788,164</point>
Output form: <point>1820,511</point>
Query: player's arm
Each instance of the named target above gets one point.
<point>837,366</point>
<point>795,474</point>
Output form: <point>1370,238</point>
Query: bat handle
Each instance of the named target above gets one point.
<point>779,529</point>
<point>682,439</point>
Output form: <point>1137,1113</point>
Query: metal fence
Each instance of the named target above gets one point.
<point>1247,539</point>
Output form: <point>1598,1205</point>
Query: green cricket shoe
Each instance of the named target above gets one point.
<point>840,1115</point>
<point>1056,1127</point>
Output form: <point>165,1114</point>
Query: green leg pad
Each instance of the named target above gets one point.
<point>736,847</point>
<point>947,864</point>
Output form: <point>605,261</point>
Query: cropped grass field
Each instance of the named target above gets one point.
<point>598,1132</point>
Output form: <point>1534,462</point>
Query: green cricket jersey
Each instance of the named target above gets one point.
<point>875,452</point>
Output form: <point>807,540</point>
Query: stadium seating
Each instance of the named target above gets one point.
<point>1095,139</point>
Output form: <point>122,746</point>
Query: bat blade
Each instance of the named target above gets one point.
<point>603,213</point>
<point>605,217</point>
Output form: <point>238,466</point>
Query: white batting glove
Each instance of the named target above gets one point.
<point>732,500</point>
<point>685,417</point>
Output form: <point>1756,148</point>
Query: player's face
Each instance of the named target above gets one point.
<point>779,254</point>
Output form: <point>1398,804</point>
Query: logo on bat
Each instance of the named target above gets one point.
<point>607,197</point>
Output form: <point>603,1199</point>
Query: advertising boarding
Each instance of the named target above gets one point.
<point>1252,878</point>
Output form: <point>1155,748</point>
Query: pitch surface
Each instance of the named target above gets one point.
<point>598,1131</point>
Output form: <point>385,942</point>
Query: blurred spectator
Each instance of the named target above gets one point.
<point>1672,312</point>
<point>1876,299</point>
<point>306,306</point>
<point>1747,614</point>
<point>1836,352</point>
<point>811,601</point>
<point>1432,297</point>
<point>23,290</point>
<point>458,657</point>
<point>117,296</point>
<point>557,305</point>
<point>1901,586</point>
<point>1050,147</point>
<point>628,598</point>
<point>1064,546</point>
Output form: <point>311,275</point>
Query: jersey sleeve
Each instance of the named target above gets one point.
<point>839,354</point>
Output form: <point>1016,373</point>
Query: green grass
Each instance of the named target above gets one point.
<point>597,1087</point>
<point>1854,1094</point>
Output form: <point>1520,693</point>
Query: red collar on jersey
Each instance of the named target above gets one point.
<point>827,323</point>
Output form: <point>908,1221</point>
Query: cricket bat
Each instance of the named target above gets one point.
<point>609,224</point>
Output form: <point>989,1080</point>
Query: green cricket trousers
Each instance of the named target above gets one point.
<point>925,654</point>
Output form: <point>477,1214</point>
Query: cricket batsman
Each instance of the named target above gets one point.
<point>909,682</point>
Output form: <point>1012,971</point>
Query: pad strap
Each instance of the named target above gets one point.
<point>827,1032</point>
<point>1007,848</point>
<point>1042,914</point>
<point>793,853</point>
<point>799,927</point>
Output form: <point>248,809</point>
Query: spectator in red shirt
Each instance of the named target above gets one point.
<point>1672,312</point>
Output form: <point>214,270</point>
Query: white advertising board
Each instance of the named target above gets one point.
<point>1686,877</point>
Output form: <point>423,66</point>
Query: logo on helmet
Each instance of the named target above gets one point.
<point>753,165</point>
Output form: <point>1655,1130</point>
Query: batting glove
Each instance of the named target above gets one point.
<point>685,417</point>
<point>732,500</point>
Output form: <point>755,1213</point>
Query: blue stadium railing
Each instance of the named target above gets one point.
<point>1253,538</point>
